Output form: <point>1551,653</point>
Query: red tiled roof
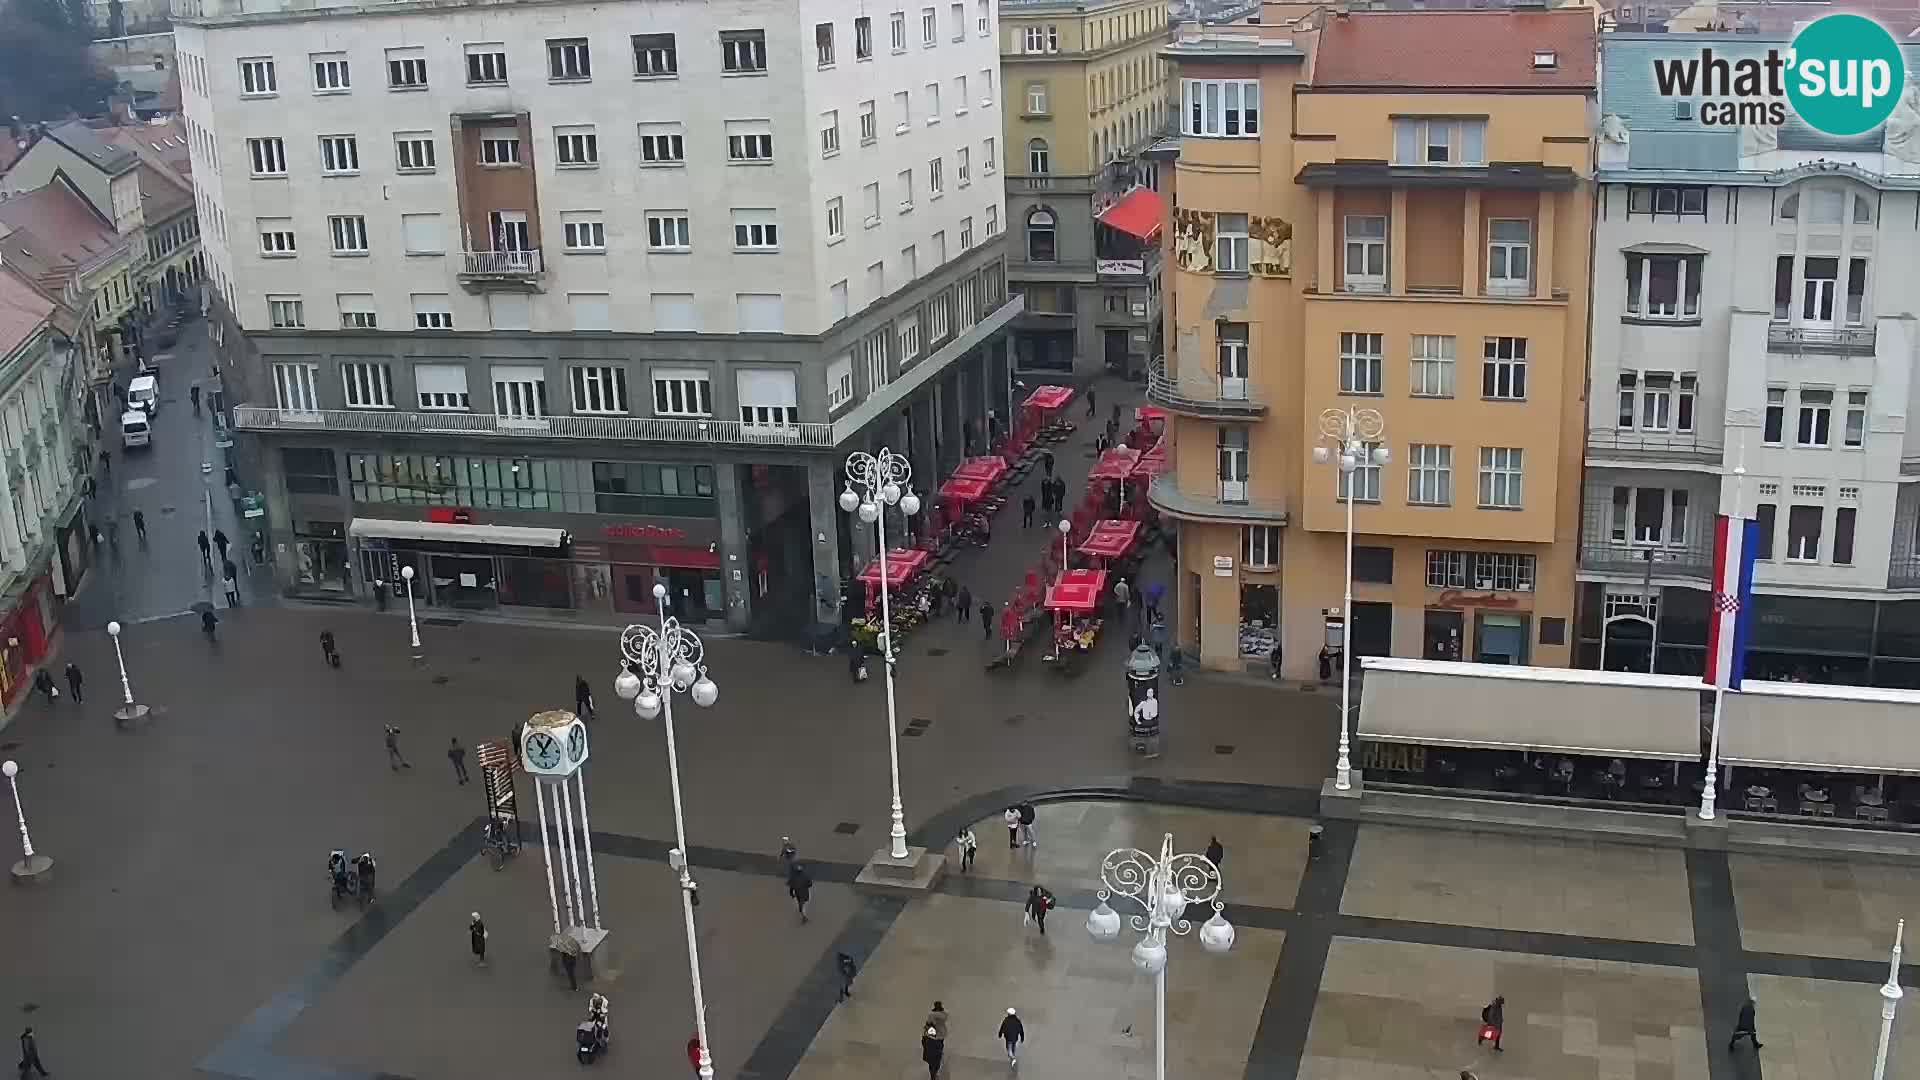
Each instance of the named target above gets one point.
<point>1457,50</point>
<point>54,225</point>
<point>160,144</point>
<point>23,309</point>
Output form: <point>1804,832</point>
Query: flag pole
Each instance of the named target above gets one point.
<point>1707,790</point>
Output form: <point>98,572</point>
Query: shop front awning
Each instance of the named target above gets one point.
<point>1549,710</point>
<point>1138,213</point>
<point>1822,728</point>
<point>452,533</point>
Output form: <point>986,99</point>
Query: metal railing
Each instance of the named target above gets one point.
<point>500,263</point>
<point>1694,560</point>
<point>1209,396</point>
<point>1903,572</point>
<point>1165,494</point>
<point>609,428</point>
<point>1653,445</point>
<point>1843,339</point>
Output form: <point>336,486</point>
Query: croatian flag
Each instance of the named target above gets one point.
<point>1735,541</point>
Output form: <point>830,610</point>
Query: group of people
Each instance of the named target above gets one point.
<point>933,1041</point>
<point>43,683</point>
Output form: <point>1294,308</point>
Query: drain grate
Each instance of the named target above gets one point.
<point>442,621</point>
<point>937,652</point>
<point>1223,749</point>
<point>916,727</point>
<point>847,828</point>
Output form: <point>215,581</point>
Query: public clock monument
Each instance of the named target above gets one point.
<point>554,747</point>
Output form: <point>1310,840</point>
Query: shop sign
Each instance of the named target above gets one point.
<point>643,532</point>
<point>1454,598</point>
<point>450,515</point>
<point>1223,566</point>
<point>1120,266</point>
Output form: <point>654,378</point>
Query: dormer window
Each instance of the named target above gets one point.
<point>1545,59</point>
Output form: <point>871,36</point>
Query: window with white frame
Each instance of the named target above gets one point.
<point>1221,108</point>
<point>499,146</point>
<point>422,234</point>
<point>442,387</point>
<point>743,52</point>
<point>1439,140</point>
<point>1503,369</point>
<point>432,311</point>
<point>863,38</point>
<point>413,151</point>
<point>339,155</point>
<point>904,184</point>
<point>908,331</point>
<point>760,313</point>
<point>268,156</point>
<point>839,381</point>
<point>357,311</point>
<point>286,312</point>
<point>276,237</point>
<point>1366,253</point>
<point>1230,465</point>
<point>940,317</point>
<point>936,178</point>
<point>966,233</point>
<point>986,87</point>
<point>957,15</point>
<point>836,218</point>
<point>486,64</point>
<point>962,104</point>
<point>1260,546</point>
<point>969,307</point>
<point>1363,479</point>
<point>668,230</point>
<point>983,17</point>
<point>829,133</point>
<point>367,384</point>
<point>257,78</point>
<point>755,230</point>
<point>1430,474</point>
<point>988,161</point>
<point>897,30</point>
<point>823,44</point>
<point>1663,286</point>
<point>767,398</point>
<point>929,28</point>
<point>330,73</point>
<point>583,231</point>
<point>520,391</point>
<point>1040,38</point>
<point>598,388</point>
<point>870,204</point>
<point>1039,160</point>
<point>1774,427</point>
<point>1230,243</point>
<point>662,144</point>
<point>655,56</point>
<point>1816,418</point>
<point>993,220</point>
<point>407,69</point>
<point>869,123</point>
<point>873,359</point>
<point>1430,366</point>
<point>569,60</point>
<point>295,387</point>
<point>1509,257</point>
<point>1040,236</point>
<point>1500,476</point>
<point>749,142</point>
<point>1362,357</point>
<point>1036,99</point>
<point>349,234</point>
<point>577,145</point>
<point>682,392</point>
<point>1854,435</point>
<point>1804,524</point>
<point>962,166</point>
<point>1649,516</point>
<point>933,103</point>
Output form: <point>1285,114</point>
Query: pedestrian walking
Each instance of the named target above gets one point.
<point>1027,815</point>
<point>220,541</point>
<point>259,548</point>
<point>458,755</point>
<point>1216,852</point>
<point>206,549</point>
<point>231,574</point>
<point>477,930</point>
<point>43,682</point>
<point>74,679</point>
<point>969,847</point>
<point>30,1054</point>
<point>1039,902</point>
<point>800,887</point>
<point>582,698</point>
<point>1122,595</point>
<point>1493,1019</point>
<point>93,533</point>
<point>1012,818</point>
<point>1046,463</point>
<point>788,855</point>
<point>88,487</point>
<point>1743,1027</point>
<point>937,1020</point>
<point>140,527</point>
<point>963,603</point>
<point>1027,508</point>
<point>847,972</point>
<point>1013,1033</point>
<point>986,620</point>
<point>693,1053</point>
<point>327,651</point>
<point>1273,661</point>
<point>106,464</point>
<point>1091,406</point>
<point>931,1051</point>
<point>395,759</point>
<point>569,950</point>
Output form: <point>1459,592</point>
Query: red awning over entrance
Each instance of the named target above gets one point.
<point>1138,213</point>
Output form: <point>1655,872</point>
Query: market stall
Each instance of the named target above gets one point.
<point>1074,600</point>
<point>1041,419</point>
<point>1108,495</point>
<point>1149,426</point>
<point>1152,463</point>
<point>988,469</point>
<point>904,590</point>
<point>1110,539</point>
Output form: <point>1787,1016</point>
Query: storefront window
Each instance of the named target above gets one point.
<point>654,490</point>
<point>309,471</point>
<point>1500,639</point>
<point>457,480</point>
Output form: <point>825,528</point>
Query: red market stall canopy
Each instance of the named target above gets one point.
<point>1138,213</point>
<point>902,563</point>
<point>963,489</point>
<point>1077,590</point>
<point>984,469</point>
<point>1149,414</point>
<point>1110,538</point>
<point>1153,462</point>
<point>1049,398</point>
<point>1115,464</point>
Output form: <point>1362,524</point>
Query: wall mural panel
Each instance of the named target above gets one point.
<point>1270,246</point>
<point>1193,239</point>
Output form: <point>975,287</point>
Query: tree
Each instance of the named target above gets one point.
<point>46,73</point>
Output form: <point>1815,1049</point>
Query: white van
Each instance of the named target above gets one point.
<point>135,430</point>
<point>144,393</point>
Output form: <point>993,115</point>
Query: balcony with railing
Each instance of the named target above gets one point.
<point>1643,548</point>
<point>1845,340</point>
<point>1212,397</point>
<point>520,270</point>
<point>1225,501</point>
<point>608,428</point>
<point>1651,447</point>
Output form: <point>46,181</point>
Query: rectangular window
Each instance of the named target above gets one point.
<point>1816,418</point>
<point>667,230</point>
<point>662,144</point>
<point>829,133</point>
<point>1803,533</point>
<point>1230,447</point>
<point>569,60</point>
<point>599,388</point>
<point>1221,108</point>
<point>962,166</point>
<point>936,178</point>
<point>413,151</point>
<point>1656,402</point>
<point>1774,431</point>
<point>1843,524</point>
<point>367,385</point>
<point>583,231</point>
<point>1429,140</point>
<point>330,73</point>
<point>500,146</point>
<point>629,487</point>
<point>349,234</point>
<point>929,28</point>
<point>986,86</point>
<point>309,472</point>
<point>486,65</point>
<point>933,103</point>
<point>1500,476</point>
<point>743,52</point>
<point>520,391</point>
<point>422,234</point>
<point>839,381</point>
<point>957,15</point>
<point>1431,366</point>
<point>681,392</point>
<point>966,233</point>
<point>286,312</point>
<point>257,78</point>
<point>406,69</point>
<point>863,38</point>
<point>870,204</point>
<point>1361,359</point>
<point>767,398</point>
<point>904,182</point>
<point>869,123</point>
<point>873,359</point>
<point>749,142</point>
<point>294,387</point>
<point>1430,475</point>
<point>823,44</point>
<point>1855,433</point>
<point>1667,201</point>
<point>988,162</point>
<point>578,146</point>
<point>897,30</point>
<point>276,237</point>
<point>339,154</point>
<point>357,311</point>
<point>1366,253</point>
<point>1364,480</point>
<point>755,230</point>
<point>961,102</point>
<point>1503,369</point>
<point>993,220</point>
<point>1509,257</point>
<point>1683,403</point>
<point>1260,546</point>
<point>1446,569</point>
<point>268,156</point>
<point>760,313</point>
<point>908,332</point>
<point>1764,515</point>
<point>1664,286</point>
<point>654,56</point>
<point>836,218</point>
<point>1856,291</point>
<point>1230,243</point>
<point>432,311</point>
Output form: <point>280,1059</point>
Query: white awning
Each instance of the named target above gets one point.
<point>449,532</point>
<point>1822,728</point>
<point>1497,707</point>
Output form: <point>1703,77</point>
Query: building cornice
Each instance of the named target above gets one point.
<point>1753,178</point>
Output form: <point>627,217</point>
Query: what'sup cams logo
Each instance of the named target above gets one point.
<point>1842,75</point>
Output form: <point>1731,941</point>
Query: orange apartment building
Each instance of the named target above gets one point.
<point>1385,216</point>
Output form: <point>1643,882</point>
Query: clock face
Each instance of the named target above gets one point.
<point>543,750</point>
<point>576,743</point>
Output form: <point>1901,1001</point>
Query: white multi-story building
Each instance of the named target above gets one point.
<point>659,260</point>
<point>1753,307</point>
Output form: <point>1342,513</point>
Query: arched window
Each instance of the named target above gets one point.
<point>1040,236</point>
<point>1039,162</point>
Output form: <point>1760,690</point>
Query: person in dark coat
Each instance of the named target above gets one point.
<point>206,549</point>
<point>477,930</point>
<point>1493,1022</point>
<point>845,965</point>
<point>963,602</point>
<point>74,681</point>
<point>220,541</point>
<point>931,1051</point>
<point>582,698</point>
<point>1039,902</point>
<point>1744,1027</point>
<point>1027,508</point>
<point>458,755</point>
<point>800,887</point>
<point>1046,463</point>
<point>140,526</point>
<point>43,682</point>
<point>986,620</point>
<point>1216,852</point>
<point>1013,1033</point>
<point>327,649</point>
<point>30,1054</point>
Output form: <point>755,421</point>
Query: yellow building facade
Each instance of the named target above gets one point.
<point>1378,233</point>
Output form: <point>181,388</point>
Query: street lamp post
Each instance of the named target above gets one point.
<point>1890,994</point>
<point>413,624</point>
<point>882,481</point>
<point>1066,532</point>
<point>128,712</point>
<point>660,663</point>
<point>1347,432</point>
<point>33,868</point>
<point>1162,888</point>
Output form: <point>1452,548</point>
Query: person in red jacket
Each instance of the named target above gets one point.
<point>693,1054</point>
